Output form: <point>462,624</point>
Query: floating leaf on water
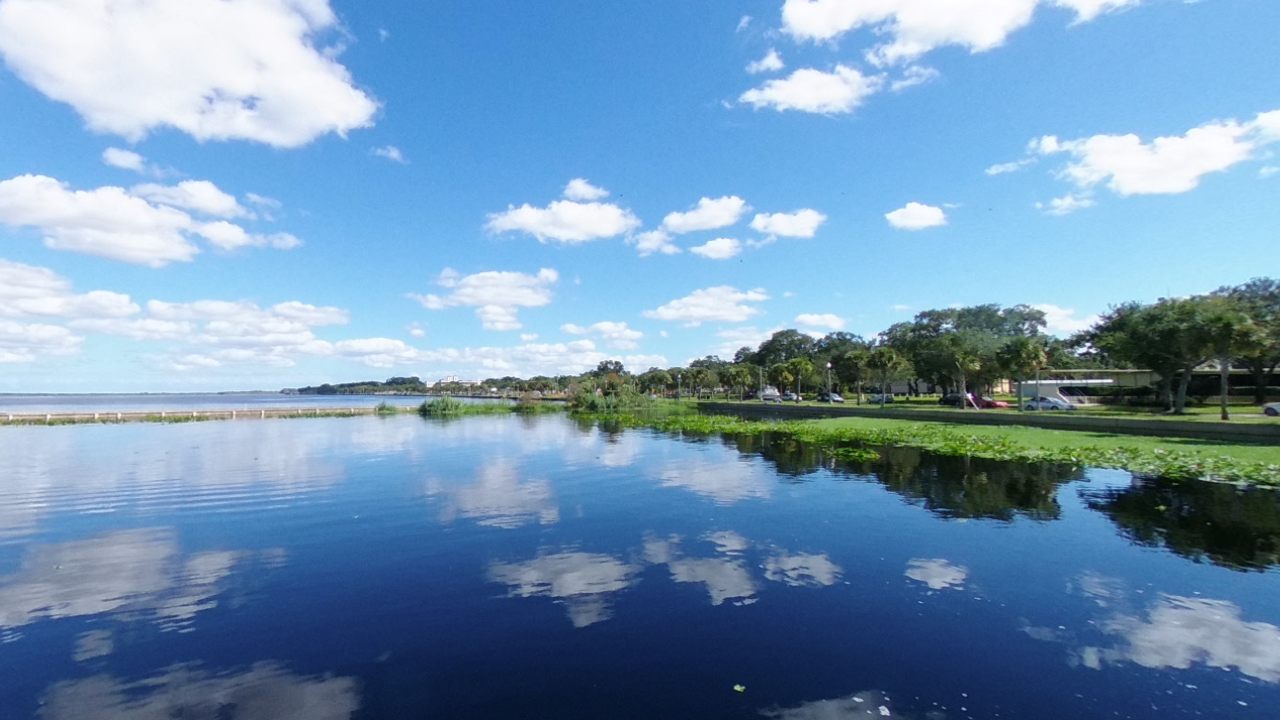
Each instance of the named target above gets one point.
<point>740,688</point>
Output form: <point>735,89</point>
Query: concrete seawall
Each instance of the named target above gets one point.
<point>1262,434</point>
<point>179,415</point>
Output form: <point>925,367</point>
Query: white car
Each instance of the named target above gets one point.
<point>1048,403</point>
<point>1271,409</point>
<point>875,399</point>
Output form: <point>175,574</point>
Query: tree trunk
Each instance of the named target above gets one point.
<point>1021,378</point>
<point>1260,377</point>
<point>1224,385</point>
<point>884,381</point>
<point>1183,382</point>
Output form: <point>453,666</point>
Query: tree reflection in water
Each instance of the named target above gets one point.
<point>952,487</point>
<point>1230,526</point>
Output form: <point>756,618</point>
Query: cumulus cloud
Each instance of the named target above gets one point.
<point>26,290</point>
<point>1002,168</point>
<point>654,241</point>
<point>912,76</point>
<point>495,295</point>
<point>1063,321</point>
<point>707,215</point>
<point>827,321</point>
<point>799,224</point>
<point>199,195</point>
<point>915,27</point>
<point>580,189</point>
<point>735,338</point>
<point>215,69</point>
<point>1126,165</point>
<point>714,304</point>
<point>815,91</point>
<point>567,221</point>
<point>25,342</point>
<point>124,159</point>
<point>916,216</point>
<point>142,226</point>
<point>718,249</point>
<point>771,62</point>
<point>392,153</point>
<point>616,334</point>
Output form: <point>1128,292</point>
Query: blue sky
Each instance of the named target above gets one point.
<point>240,194</point>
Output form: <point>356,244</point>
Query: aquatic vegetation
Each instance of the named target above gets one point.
<point>861,443</point>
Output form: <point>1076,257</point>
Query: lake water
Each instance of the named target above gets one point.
<point>509,567</point>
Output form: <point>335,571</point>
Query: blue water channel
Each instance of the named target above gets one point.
<point>538,567</point>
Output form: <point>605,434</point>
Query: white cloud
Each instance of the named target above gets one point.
<point>580,189</point>
<point>116,224</point>
<point>124,159</point>
<point>36,291</point>
<point>654,241</point>
<point>581,581</point>
<point>565,221</point>
<point>814,91</point>
<point>106,222</point>
<point>914,75</point>
<point>771,62</point>
<point>263,201</point>
<point>915,27</point>
<point>1066,204</point>
<point>495,295</point>
<point>718,249</point>
<point>1166,165</point>
<point>743,23</point>
<point>392,153</point>
<point>707,215</point>
<point>1063,321</point>
<point>1180,632</point>
<point>616,334</point>
<point>1268,171</point>
<point>827,321</point>
<point>215,69</point>
<point>937,573</point>
<point>1009,167</point>
<point>24,342</point>
<point>199,195</point>
<point>736,338</point>
<point>799,224</point>
<point>916,216</point>
<point>714,304</point>
<point>416,330</point>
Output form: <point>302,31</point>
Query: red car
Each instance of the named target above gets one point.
<point>987,403</point>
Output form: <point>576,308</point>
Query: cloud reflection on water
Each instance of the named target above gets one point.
<point>133,573</point>
<point>497,498</point>
<point>725,482</point>
<point>937,573</point>
<point>264,692</point>
<point>582,581</point>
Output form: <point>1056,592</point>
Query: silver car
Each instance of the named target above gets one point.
<point>1048,403</point>
<point>1271,409</point>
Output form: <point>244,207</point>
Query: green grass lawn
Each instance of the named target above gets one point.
<point>1065,439</point>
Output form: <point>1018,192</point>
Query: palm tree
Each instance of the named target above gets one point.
<point>886,360</point>
<point>1022,356</point>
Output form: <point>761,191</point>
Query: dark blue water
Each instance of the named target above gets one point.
<point>538,568</point>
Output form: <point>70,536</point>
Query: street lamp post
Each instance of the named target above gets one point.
<point>677,387</point>
<point>828,383</point>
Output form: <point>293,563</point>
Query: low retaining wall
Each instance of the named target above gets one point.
<point>1264,434</point>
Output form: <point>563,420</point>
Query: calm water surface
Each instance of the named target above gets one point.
<point>537,568</point>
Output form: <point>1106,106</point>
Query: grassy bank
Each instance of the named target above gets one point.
<point>1156,457</point>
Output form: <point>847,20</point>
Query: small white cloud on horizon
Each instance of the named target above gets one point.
<point>1063,322</point>
<point>722,303</point>
<point>1009,167</point>
<point>616,334</point>
<point>718,249</point>
<point>743,23</point>
<point>1268,171</point>
<point>566,221</point>
<point>916,216</point>
<point>495,295</point>
<point>828,321</point>
<point>654,241</point>
<point>1066,204</point>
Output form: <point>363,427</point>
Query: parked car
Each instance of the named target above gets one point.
<point>875,399</point>
<point>987,403</point>
<point>789,396</point>
<point>952,399</point>
<point>1048,403</point>
<point>770,394</point>
<point>825,396</point>
<point>1271,409</point>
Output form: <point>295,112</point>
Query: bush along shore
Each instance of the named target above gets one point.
<point>859,444</point>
